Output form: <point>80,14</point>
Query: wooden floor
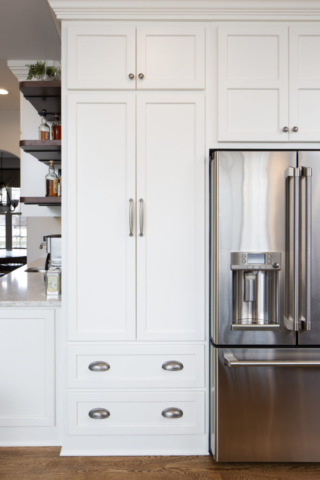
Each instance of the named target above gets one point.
<point>44,463</point>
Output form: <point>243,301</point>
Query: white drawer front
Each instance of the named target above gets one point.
<point>136,413</point>
<point>136,366</point>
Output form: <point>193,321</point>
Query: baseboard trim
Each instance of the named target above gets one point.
<point>131,453</point>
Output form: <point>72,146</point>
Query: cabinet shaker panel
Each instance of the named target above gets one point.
<point>171,57</point>
<point>304,82</point>
<point>101,253</point>
<point>171,217</point>
<point>101,57</point>
<point>253,82</point>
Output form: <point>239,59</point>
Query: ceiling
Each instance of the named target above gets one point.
<point>27,32</point>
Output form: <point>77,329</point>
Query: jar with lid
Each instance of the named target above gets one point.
<point>44,129</point>
<point>51,181</point>
<point>56,127</point>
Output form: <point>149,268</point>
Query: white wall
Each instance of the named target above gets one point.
<point>38,226</point>
<point>10,131</point>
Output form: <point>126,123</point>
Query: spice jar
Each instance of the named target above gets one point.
<point>56,127</point>
<point>44,129</point>
<point>51,181</point>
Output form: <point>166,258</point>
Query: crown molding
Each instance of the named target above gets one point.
<point>186,9</point>
<point>19,68</point>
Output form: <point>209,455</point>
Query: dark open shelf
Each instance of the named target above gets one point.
<point>42,201</point>
<point>43,150</point>
<point>43,95</point>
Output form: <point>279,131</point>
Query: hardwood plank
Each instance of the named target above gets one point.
<point>35,463</point>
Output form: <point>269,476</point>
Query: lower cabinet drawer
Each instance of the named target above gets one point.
<point>137,413</point>
<point>136,366</point>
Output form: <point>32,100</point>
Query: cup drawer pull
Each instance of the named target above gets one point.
<point>172,366</point>
<point>99,366</point>
<point>172,413</point>
<point>99,413</point>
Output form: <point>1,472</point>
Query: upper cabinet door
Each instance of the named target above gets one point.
<point>253,83</point>
<point>171,217</point>
<point>304,82</point>
<point>101,57</point>
<point>101,182</point>
<point>171,57</point>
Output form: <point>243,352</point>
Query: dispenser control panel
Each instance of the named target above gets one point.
<point>255,261</point>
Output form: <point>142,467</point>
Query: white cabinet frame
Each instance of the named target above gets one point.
<point>229,85</point>
<point>303,85</point>
<point>123,62</point>
<point>184,77</point>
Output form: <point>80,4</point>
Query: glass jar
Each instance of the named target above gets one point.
<point>44,129</point>
<point>51,181</point>
<point>56,127</point>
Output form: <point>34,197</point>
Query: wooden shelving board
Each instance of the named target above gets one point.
<point>42,201</point>
<point>43,150</point>
<point>43,95</point>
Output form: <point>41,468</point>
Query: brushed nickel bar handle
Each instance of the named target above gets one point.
<point>307,173</point>
<point>231,361</point>
<point>292,291</point>
<point>131,217</point>
<point>172,413</point>
<point>172,366</point>
<point>99,366</point>
<point>297,172</point>
<point>99,413</point>
<point>141,217</point>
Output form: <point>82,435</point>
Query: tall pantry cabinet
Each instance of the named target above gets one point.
<point>135,104</point>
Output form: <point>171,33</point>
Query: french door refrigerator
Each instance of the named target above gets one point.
<point>265,306</point>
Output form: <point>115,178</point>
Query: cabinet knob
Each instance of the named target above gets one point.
<point>172,412</point>
<point>99,366</point>
<point>295,129</point>
<point>131,76</point>
<point>141,76</point>
<point>99,413</point>
<point>172,366</point>
<point>285,129</point>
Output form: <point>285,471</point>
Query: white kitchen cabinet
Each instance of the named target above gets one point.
<point>170,57</point>
<point>101,57</point>
<point>101,254</point>
<point>136,366</point>
<point>171,217</point>
<point>27,369</point>
<point>136,413</point>
<point>253,82</point>
<point>304,82</point>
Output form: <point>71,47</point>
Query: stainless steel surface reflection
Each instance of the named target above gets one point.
<point>265,413</point>
<point>248,199</point>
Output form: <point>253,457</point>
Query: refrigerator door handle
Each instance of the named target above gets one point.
<point>306,257</point>
<point>292,289</point>
<point>231,361</point>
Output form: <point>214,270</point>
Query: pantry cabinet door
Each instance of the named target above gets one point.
<point>101,181</point>
<point>101,57</point>
<point>304,82</point>
<point>171,217</point>
<point>253,82</point>
<point>171,57</point>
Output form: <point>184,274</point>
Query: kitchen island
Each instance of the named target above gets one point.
<point>29,359</point>
<point>21,288</point>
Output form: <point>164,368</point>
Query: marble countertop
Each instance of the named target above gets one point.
<point>21,289</point>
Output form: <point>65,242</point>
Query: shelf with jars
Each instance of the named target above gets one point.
<point>43,95</point>
<point>43,150</point>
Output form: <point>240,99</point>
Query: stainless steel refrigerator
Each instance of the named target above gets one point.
<point>265,306</point>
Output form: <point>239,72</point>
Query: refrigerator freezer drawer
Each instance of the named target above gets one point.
<point>265,404</point>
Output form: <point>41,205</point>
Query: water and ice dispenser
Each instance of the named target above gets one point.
<point>255,289</point>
